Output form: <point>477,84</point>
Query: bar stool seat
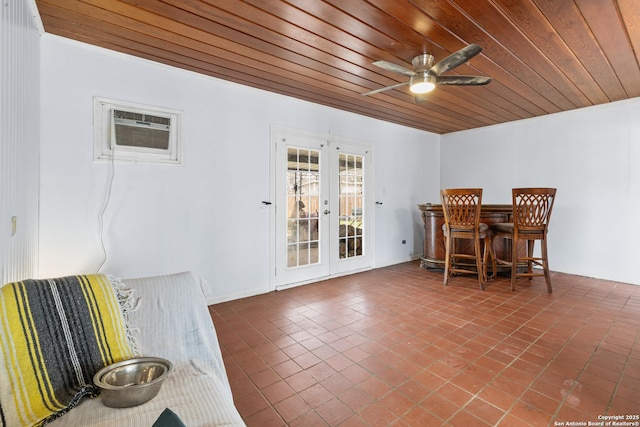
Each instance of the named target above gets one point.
<point>483,228</point>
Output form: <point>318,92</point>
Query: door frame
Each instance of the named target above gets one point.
<point>276,135</point>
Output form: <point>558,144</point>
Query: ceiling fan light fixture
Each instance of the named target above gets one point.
<point>425,76</point>
<point>422,82</point>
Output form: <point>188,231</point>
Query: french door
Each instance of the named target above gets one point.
<point>322,217</point>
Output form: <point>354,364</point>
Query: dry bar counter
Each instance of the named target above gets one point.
<point>433,218</point>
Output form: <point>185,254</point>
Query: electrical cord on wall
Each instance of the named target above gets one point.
<point>104,209</point>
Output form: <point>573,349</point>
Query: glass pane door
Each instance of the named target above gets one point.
<point>322,208</point>
<point>351,194</point>
<point>351,202</point>
<point>303,205</point>
<point>301,233</point>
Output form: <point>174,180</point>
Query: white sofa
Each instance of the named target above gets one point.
<point>174,323</point>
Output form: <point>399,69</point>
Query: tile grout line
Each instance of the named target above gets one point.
<point>507,310</point>
<point>626,363</point>
<point>507,412</point>
<point>584,368</point>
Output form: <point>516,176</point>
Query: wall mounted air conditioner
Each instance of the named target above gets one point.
<point>134,132</point>
<point>133,129</point>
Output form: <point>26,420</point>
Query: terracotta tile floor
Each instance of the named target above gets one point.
<point>393,346</point>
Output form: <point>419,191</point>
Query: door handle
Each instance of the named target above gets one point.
<point>327,211</point>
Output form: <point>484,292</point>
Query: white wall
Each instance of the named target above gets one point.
<point>205,216</point>
<point>591,155</point>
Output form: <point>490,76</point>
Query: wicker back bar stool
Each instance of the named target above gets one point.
<point>461,209</point>
<point>531,213</point>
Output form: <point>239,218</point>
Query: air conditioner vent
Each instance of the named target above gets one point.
<point>141,130</point>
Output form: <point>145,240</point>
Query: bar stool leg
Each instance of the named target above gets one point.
<point>545,265</point>
<point>479,263</point>
<point>447,258</point>
<point>514,262</point>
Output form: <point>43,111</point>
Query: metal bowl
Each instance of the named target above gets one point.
<point>132,382</point>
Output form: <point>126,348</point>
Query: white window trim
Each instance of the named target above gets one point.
<point>105,148</point>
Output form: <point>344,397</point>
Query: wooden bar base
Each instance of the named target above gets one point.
<point>434,251</point>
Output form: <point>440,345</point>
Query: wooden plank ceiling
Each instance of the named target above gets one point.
<point>545,56</point>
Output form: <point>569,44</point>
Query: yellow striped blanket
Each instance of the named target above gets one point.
<point>55,334</point>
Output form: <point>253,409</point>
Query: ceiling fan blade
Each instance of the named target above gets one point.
<point>463,80</point>
<point>455,59</point>
<point>394,67</point>
<point>382,89</point>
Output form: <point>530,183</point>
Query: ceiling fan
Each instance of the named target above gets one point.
<point>426,75</point>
